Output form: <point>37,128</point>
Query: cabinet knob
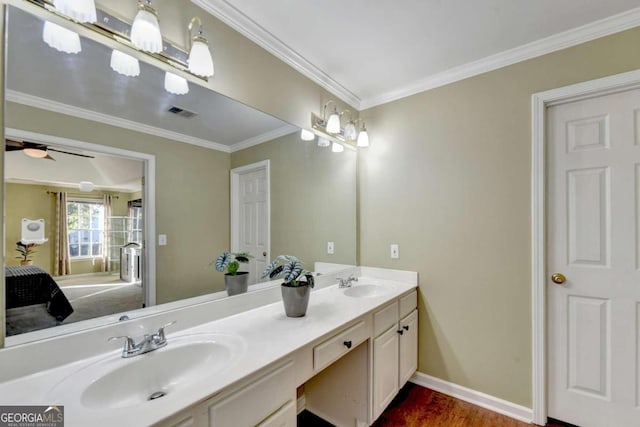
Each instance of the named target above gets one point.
<point>405,327</point>
<point>400,331</point>
<point>348,344</point>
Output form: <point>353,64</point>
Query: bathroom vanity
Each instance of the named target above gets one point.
<point>352,352</point>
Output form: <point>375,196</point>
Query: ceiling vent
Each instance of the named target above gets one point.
<point>182,112</point>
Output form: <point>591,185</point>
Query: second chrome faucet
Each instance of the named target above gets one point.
<point>147,344</point>
<point>346,283</point>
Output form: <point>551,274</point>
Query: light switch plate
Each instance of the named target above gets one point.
<point>162,239</point>
<point>395,251</point>
<point>330,248</point>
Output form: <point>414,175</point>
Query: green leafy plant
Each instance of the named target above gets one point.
<point>290,269</point>
<point>231,261</point>
<point>25,251</point>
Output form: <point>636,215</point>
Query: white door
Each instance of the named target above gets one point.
<point>250,216</point>
<point>593,239</point>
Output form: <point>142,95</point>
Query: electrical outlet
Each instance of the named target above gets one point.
<point>330,248</point>
<point>162,239</point>
<point>395,251</point>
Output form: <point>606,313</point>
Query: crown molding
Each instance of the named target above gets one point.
<point>563,40</point>
<point>267,136</point>
<point>246,26</point>
<point>70,110</point>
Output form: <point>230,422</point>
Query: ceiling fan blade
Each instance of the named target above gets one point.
<point>73,154</point>
<point>13,145</point>
<point>49,157</point>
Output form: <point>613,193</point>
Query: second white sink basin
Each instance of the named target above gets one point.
<point>368,290</point>
<point>116,382</point>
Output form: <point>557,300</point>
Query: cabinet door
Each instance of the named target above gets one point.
<point>285,417</point>
<point>408,346</point>
<point>385,369</point>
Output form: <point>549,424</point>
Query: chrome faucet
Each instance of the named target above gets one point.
<point>346,283</point>
<point>147,344</point>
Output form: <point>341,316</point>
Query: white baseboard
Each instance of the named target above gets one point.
<point>478,398</point>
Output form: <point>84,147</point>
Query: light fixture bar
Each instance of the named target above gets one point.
<point>319,127</point>
<point>119,30</point>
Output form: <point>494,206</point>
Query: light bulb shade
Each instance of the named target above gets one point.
<point>337,147</point>
<point>323,142</point>
<point>124,64</point>
<point>79,10</point>
<point>35,152</point>
<point>200,61</point>
<point>363,139</point>
<point>60,38</point>
<point>85,186</point>
<point>307,135</point>
<point>350,132</point>
<point>145,32</point>
<point>175,84</point>
<point>333,124</point>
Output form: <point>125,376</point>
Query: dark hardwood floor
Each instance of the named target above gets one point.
<point>416,406</point>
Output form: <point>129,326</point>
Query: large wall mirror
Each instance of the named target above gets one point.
<point>107,164</point>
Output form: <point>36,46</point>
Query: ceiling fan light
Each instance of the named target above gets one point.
<point>175,84</point>
<point>86,186</point>
<point>337,147</point>
<point>124,64</point>
<point>200,60</point>
<point>307,135</point>
<point>333,123</point>
<point>323,142</point>
<point>60,38</point>
<point>350,131</point>
<point>37,153</point>
<point>145,30</point>
<point>78,10</point>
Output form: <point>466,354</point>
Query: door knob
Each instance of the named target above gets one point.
<point>558,278</point>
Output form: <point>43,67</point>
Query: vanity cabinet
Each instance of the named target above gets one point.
<point>395,349</point>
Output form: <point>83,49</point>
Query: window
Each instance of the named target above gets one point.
<point>135,224</point>
<point>85,223</point>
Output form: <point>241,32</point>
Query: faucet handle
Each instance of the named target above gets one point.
<point>160,334</point>
<point>128,343</point>
<point>352,278</point>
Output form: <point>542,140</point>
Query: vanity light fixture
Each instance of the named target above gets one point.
<point>78,10</point>
<point>323,142</point>
<point>350,133</point>
<point>124,64</point>
<point>175,84</point>
<point>331,129</point>
<point>60,38</point>
<point>145,30</point>
<point>307,135</point>
<point>337,147</point>
<point>333,122</point>
<point>363,137</point>
<point>200,61</point>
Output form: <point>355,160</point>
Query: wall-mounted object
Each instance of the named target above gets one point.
<point>329,128</point>
<point>33,231</point>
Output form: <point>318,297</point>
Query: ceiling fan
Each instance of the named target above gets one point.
<point>34,149</point>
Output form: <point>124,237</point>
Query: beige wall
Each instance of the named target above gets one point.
<point>447,178</point>
<point>32,201</point>
<point>313,198</point>
<point>192,197</point>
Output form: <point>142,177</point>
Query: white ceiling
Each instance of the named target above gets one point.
<point>370,52</point>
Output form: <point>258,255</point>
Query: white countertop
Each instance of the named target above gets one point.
<point>268,336</point>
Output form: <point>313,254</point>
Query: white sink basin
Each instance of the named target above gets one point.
<point>115,382</point>
<point>364,291</point>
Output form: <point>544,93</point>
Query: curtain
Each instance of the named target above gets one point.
<point>62,266</point>
<point>106,247</point>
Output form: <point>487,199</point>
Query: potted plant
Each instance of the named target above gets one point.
<point>25,251</point>
<point>295,292</point>
<point>236,282</point>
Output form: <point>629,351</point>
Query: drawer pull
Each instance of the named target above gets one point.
<point>406,327</point>
<point>400,331</point>
<point>348,344</point>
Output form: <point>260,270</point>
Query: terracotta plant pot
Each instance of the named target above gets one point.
<point>26,262</point>
<point>236,283</point>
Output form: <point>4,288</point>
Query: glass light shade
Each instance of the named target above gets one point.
<point>60,38</point>
<point>307,135</point>
<point>323,142</point>
<point>145,32</point>
<point>175,84</point>
<point>124,64</point>
<point>337,148</point>
<point>363,138</point>
<point>79,10</point>
<point>350,132</point>
<point>200,61</point>
<point>85,186</point>
<point>35,152</point>
<point>333,124</point>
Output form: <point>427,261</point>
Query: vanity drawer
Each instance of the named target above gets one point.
<point>333,348</point>
<point>408,303</point>
<point>385,318</point>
